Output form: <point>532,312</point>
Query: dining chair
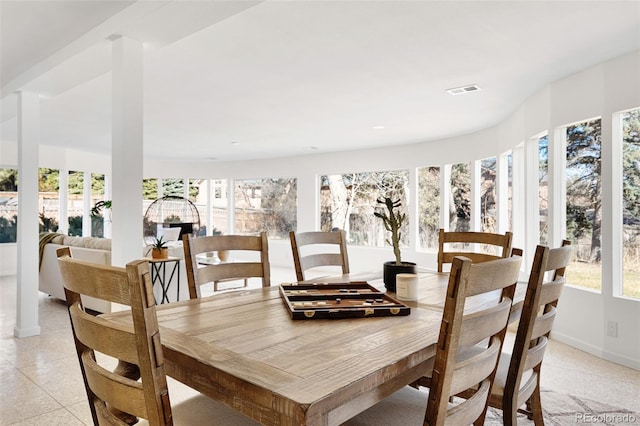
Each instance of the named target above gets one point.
<point>117,397</point>
<point>468,348</point>
<point>317,249</point>
<point>200,273</point>
<point>500,244</point>
<point>518,377</point>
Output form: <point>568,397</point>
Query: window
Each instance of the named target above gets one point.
<point>268,205</point>
<point>97,194</point>
<point>8,205</point>
<point>488,205</point>
<point>198,196</point>
<point>75,206</point>
<point>543,188</point>
<point>631,203</point>
<point>49,199</point>
<point>348,201</point>
<point>219,206</point>
<point>460,215</point>
<point>584,198</point>
<point>173,187</point>
<point>429,207</point>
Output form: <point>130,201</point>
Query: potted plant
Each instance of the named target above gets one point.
<point>393,221</point>
<point>159,249</point>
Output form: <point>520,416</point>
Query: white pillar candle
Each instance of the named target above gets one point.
<point>407,286</point>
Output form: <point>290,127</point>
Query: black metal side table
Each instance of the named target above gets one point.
<point>163,275</point>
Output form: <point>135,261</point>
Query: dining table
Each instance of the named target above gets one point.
<point>243,349</point>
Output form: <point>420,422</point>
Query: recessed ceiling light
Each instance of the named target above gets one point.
<point>235,143</point>
<point>378,127</point>
<point>311,148</point>
<point>463,89</point>
<point>212,158</point>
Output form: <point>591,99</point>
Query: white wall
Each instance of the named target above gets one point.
<point>598,91</point>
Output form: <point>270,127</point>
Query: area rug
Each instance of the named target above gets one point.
<point>406,407</point>
<point>563,410</point>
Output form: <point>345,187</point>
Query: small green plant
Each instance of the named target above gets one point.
<point>96,210</point>
<point>393,221</point>
<point>159,243</point>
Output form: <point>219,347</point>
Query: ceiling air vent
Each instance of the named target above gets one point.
<point>463,89</point>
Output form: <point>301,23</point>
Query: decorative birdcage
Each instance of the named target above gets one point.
<point>171,212</point>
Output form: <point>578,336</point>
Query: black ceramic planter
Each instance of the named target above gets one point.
<point>391,270</point>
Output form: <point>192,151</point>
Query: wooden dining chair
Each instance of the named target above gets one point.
<point>518,378</point>
<point>200,273</point>
<point>118,397</point>
<point>469,344</point>
<point>110,393</point>
<point>317,249</point>
<point>500,244</point>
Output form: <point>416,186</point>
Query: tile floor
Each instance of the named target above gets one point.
<point>40,381</point>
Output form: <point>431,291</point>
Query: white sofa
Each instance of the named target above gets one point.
<point>95,250</point>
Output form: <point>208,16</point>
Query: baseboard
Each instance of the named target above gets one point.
<point>596,351</point>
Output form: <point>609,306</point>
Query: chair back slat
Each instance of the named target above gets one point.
<point>535,354</point>
<point>200,273</point>
<point>109,283</point>
<point>126,394</point>
<point>468,411</point>
<point>452,373</point>
<point>551,291</point>
<point>477,326</point>
<point>315,249</point>
<point>544,323</point>
<point>115,340</point>
<point>116,395</point>
<point>501,243</point>
<point>474,370</point>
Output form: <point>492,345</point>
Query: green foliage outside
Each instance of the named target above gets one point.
<point>8,180</point>
<point>460,204</point>
<point>8,229</point>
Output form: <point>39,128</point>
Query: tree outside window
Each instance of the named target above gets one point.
<point>429,207</point>
<point>269,205</point>
<point>348,201</point>
<point>631,203</point>
<point>584,201</point>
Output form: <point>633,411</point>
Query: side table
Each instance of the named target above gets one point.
<point>163,275</point>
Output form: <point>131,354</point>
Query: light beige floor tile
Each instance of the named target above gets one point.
<point>20,398</point>
<point>60,417</point>
<point>81,411</point>
<point>60,378</point>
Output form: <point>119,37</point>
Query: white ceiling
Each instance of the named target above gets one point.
<point>279,77</point>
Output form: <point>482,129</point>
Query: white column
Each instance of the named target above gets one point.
<point>557,186</point>
<point>476,180</point>
<point>86,204</point>
<point>532,199</point>
<point>63,194</point>
<point>518,206</point>
<point>127,160</point>
<point>413,210</point>
<point>502,193</point>
<point>445,196</point>
<point>28,141</point>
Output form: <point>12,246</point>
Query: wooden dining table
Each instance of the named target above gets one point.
<point>242,348</point>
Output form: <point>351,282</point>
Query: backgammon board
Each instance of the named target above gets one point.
<point>357,299</point>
